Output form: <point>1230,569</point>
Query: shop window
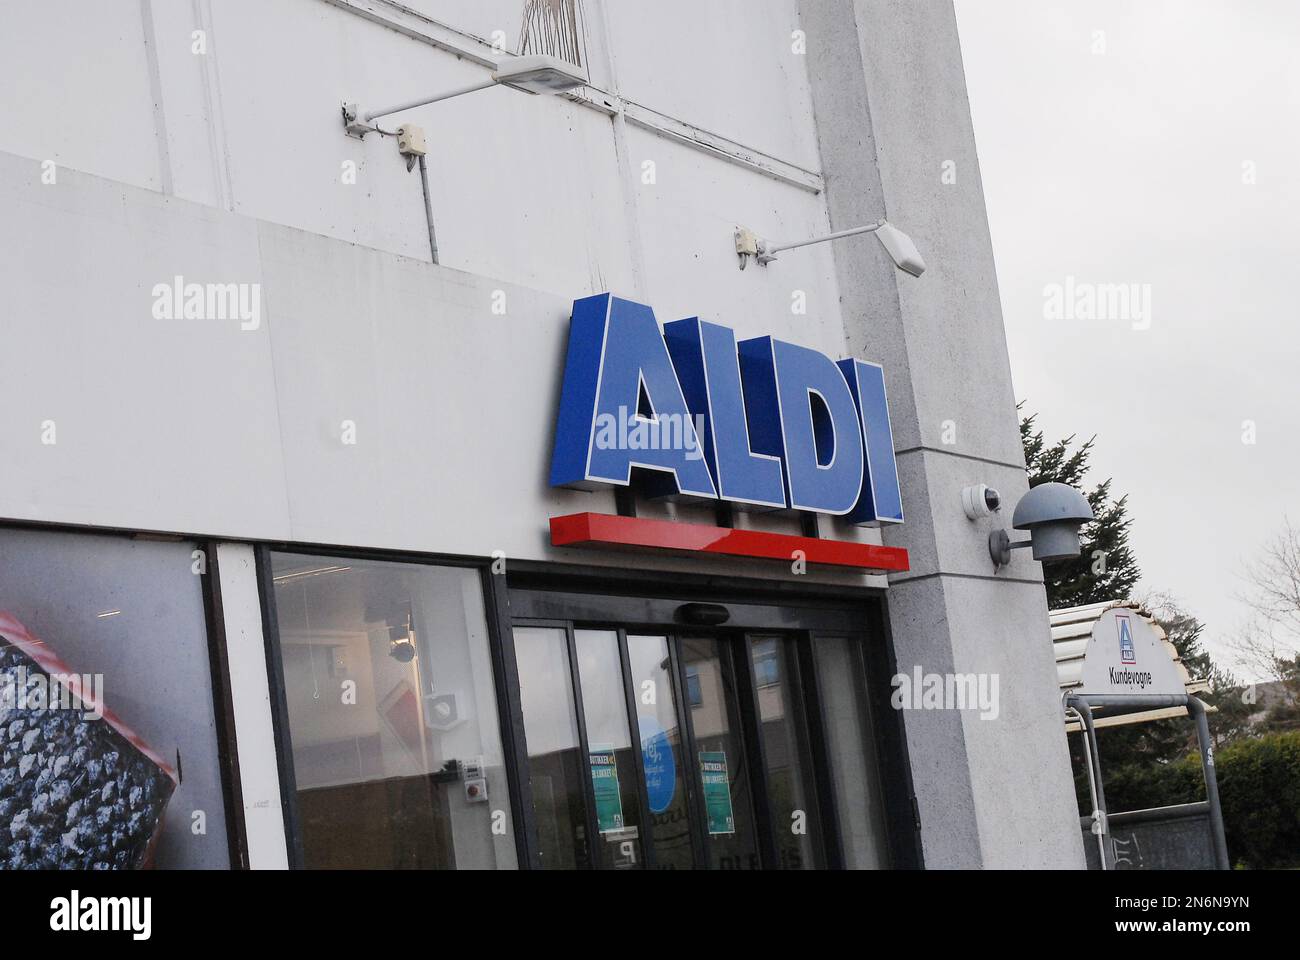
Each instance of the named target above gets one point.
<point>851,748</point>
<point>108,739</point>
<point>392,715</point>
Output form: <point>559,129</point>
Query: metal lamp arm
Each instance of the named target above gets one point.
<point>770,248</point>
<point>1001,545</point>
<point>423,101</point>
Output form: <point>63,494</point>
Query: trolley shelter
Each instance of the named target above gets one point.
<point>1116,666</point>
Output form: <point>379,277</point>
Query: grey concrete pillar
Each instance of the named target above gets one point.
<point>892,114</point>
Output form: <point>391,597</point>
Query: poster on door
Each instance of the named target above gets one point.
<point>717,792</point>
<point>657,761</point>
<point>604,784</point>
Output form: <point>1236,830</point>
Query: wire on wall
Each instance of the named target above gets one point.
<point>554,27</point>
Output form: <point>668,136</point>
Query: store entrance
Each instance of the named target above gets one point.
<point>652,743</point>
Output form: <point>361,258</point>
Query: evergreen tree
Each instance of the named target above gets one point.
<point>1105,568</point>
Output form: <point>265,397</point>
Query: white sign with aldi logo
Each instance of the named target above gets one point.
<point>1126,656</point>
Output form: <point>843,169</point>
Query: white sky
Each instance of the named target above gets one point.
<point>1127,167</point>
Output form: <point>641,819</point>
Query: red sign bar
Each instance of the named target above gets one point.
<point>606,530</point>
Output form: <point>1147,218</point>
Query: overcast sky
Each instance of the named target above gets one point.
<point>1117,142</point>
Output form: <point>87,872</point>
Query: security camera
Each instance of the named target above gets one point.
<point>402,650</point>
<point>1053,514</point>
<point>980,500</point>
<point>401,639</point>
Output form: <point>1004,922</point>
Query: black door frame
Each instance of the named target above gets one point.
<point>636,600</point>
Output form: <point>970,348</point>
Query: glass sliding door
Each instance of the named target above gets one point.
<point>722,749</point>
<point>786,750</point>
<point>611,756</point>
<point>720,760</point>
<point>555,760</point>
<point>664,750</point>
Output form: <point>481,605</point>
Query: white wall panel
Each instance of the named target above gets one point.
<point>280,108</point>
<point>191,102</point>
<point>527,189</point>
<point>167,423</point>
<point>76,85</point>
<point>724,65</point>
<point>688,219</point>
<point>522,187</point>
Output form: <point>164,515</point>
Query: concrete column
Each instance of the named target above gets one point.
<point>892,115</point>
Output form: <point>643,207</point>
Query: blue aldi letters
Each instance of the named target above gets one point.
<point>761,423</point>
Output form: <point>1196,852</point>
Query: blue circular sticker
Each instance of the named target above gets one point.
<point>660,768</point>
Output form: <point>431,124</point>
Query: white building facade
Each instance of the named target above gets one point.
<point>301,524</point>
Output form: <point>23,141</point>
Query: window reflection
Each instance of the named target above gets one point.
<point>720,764</point>
<point>609,743</point>
<point>662,751</point>
<point>786,753</point>
<point>392,715</point>
<point>851,746</point>
<point>555,762</point>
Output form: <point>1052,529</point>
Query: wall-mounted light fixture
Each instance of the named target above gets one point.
<point>537,73</point>
<point>897,244</point>
<point>1053,514</point>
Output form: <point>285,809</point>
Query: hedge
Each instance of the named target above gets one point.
<point>1259,788</point>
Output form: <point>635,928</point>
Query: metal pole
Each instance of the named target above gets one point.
<point>375,114</point>
<point>1197,709</point>
<point>830,236</point>
<point>1081,705</point>
<point>1092,781</point>
<point>428,209</point>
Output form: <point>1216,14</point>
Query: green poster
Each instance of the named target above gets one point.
<point>717,792</point>
<point>604,783</point>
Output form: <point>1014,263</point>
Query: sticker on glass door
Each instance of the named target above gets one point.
<point>604,785</point>
<point>717,792</point>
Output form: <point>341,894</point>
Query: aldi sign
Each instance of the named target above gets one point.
<point>761,423</point>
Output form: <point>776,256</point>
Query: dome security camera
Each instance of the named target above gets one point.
<point>1053,514</point>
<point>980,500</point>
